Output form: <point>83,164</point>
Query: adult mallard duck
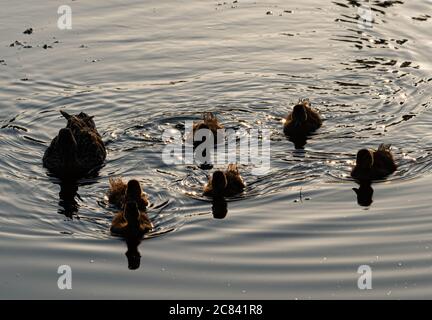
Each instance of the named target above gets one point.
<point>225,184</point>
<point>77,150</point>
<point>374,164</point>
<point>302,121</point>
<point>131,222</point>
<point>120,193</point>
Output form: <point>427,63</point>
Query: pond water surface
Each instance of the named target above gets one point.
<point>143,67</point>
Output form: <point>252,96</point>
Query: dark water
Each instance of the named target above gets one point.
<point>143,68</point>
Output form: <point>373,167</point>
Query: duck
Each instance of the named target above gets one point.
<point>131,222</point>
<point>209,122</point>
<point>120,193</point>
<point>77,150</point>
<point>225,183</point>
<point>374,164</point>
<point>302,121</point>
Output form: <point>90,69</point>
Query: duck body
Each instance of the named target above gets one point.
<point>208,122</point>
<point>374,164</point>
<point>120,193</point>
<point>77,150</point>
<point>225,184</point>
<point>131,222</point>
<point>302,121</point>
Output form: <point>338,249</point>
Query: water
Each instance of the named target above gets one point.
<point>144,67</point>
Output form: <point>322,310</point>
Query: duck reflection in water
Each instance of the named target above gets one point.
<point>133,255</point>
<point>219,208</point>
<point>131,224</point>
<point>364,193</point>
<point>68,193</point>
<point>299,141</point>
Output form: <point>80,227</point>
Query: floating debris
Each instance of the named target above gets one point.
<point>423,17</point>
<point>401,41</point>
<point>405,64</point>
<point>387,3</point>
<point>408,116</point>
<point>16,43</point>
<point>28,31</point>
<point>269,13</point>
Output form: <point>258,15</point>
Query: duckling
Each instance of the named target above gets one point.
<point>131,222</point>
<point>302,121</point>
<point>77,150</point>
<point>120,193</point>
<point>209,121</point>
<point>225,184</point>
<point>374,164</point>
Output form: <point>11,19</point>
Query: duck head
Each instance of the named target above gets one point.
<point>87,119</point>
<point>299,114</point>
<point>219,183</point>
<point>364,159</point>
<point>76,122</point>
<point>133,190</point>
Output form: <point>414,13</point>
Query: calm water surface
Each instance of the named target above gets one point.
<point>142,67</point>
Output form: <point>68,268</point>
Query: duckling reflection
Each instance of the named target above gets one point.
<point>133,255</point>
<point>68,192</point>
<point>364,193</point>
<point>219,208</point>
